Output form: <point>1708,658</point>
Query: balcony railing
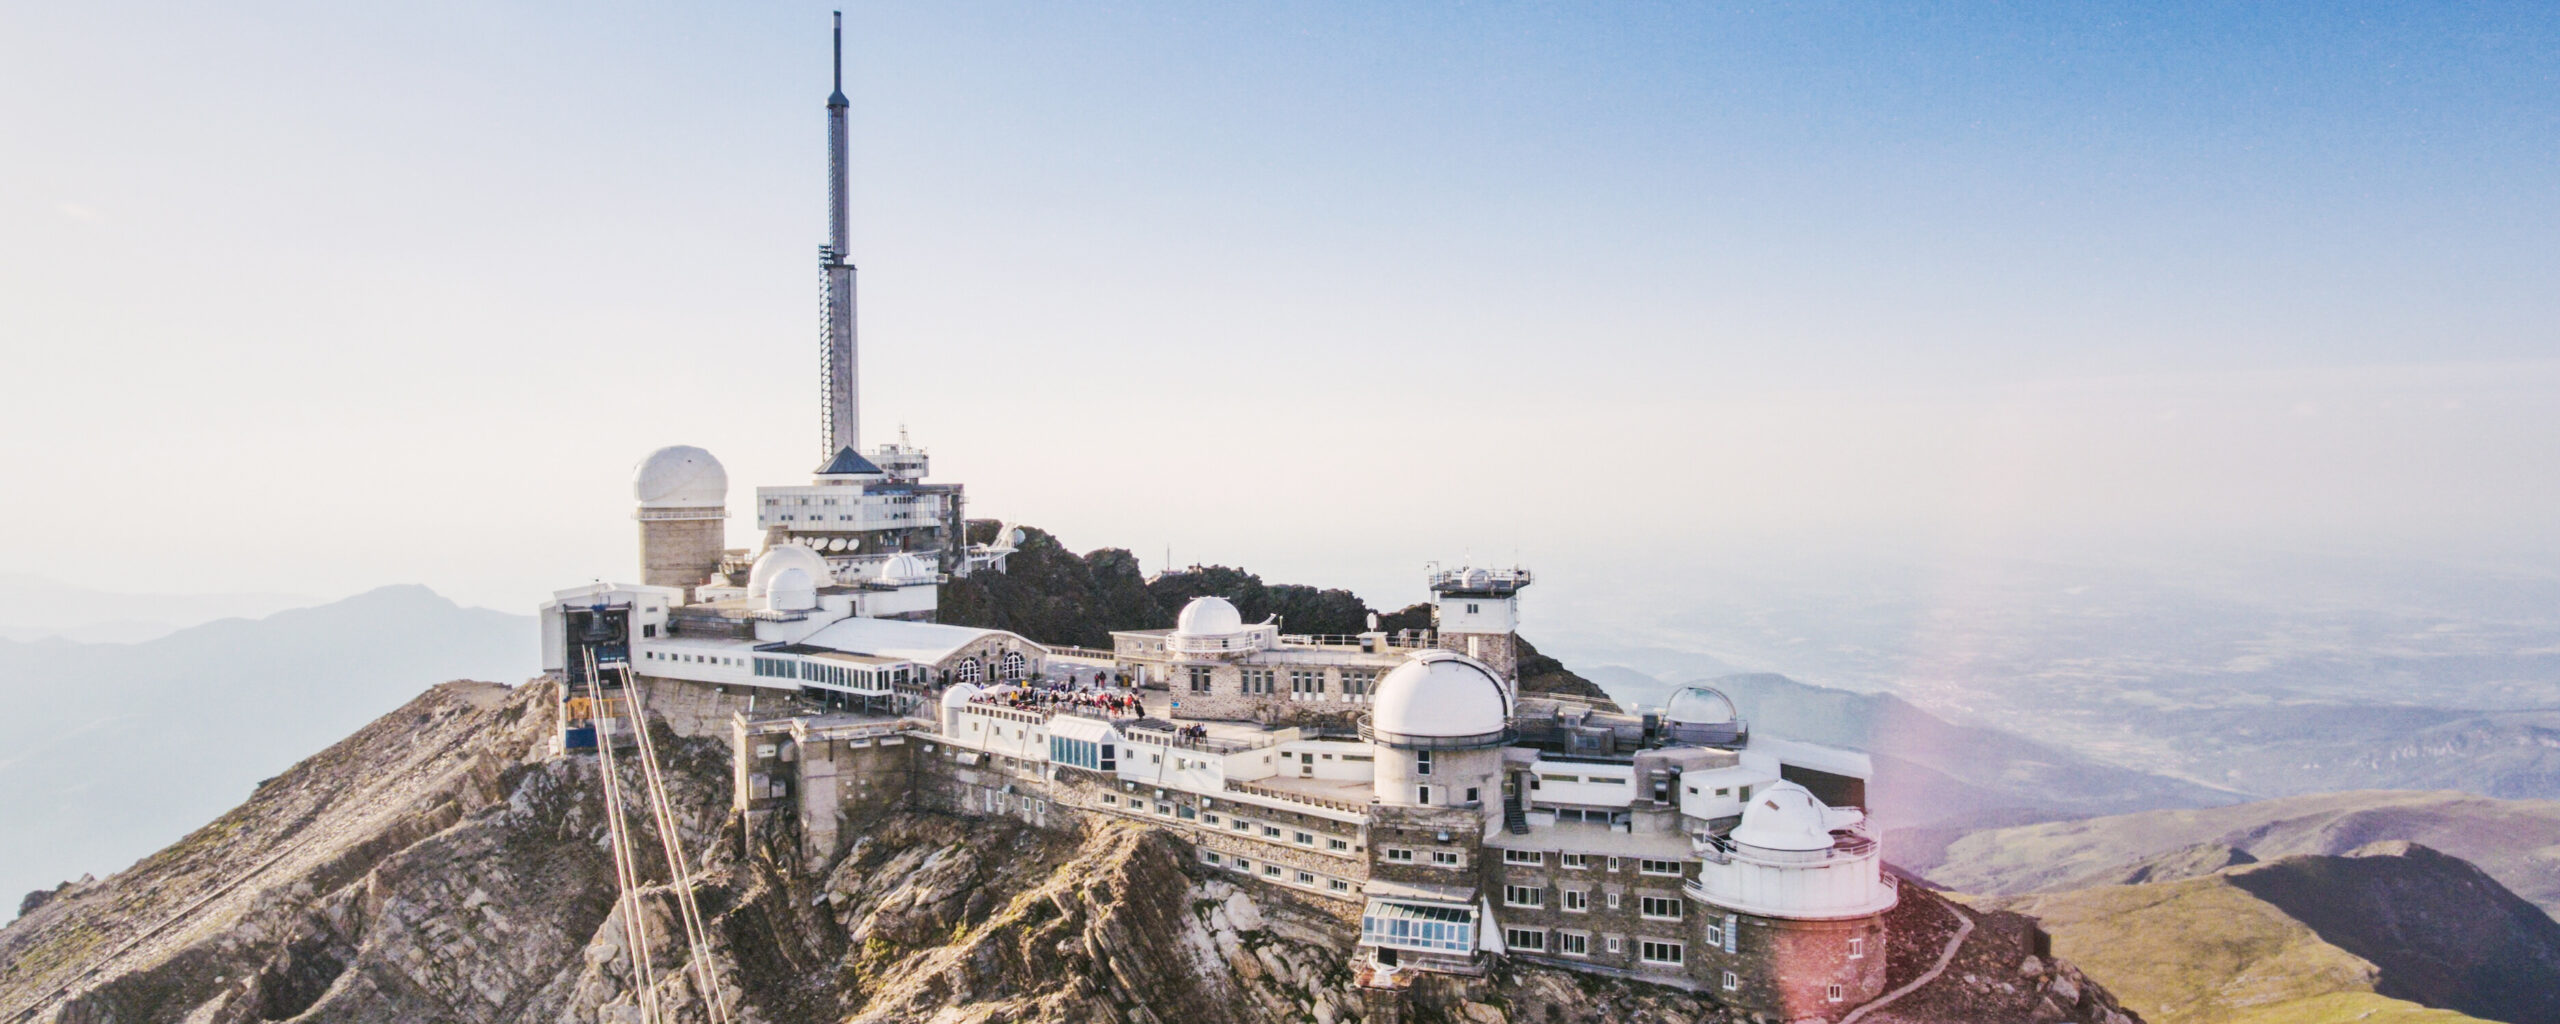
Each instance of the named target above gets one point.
<point>1238,786</point>
<point>1402,741</point>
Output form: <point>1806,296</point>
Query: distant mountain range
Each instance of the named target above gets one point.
<point>109,751</point>
<point>1935,779</point>
<point>2515,841</point>
<point>35,607</point>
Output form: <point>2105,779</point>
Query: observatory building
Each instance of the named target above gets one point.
<point>1402,779</point>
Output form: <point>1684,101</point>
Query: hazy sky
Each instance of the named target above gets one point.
<point>311,298</point>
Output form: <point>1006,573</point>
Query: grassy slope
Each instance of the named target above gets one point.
<point>2203,951</point>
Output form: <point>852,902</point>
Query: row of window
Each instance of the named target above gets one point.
<point>1274,872</point>
<point>694,659</point>
<point>1439,858</point>
<point>1661,952</point>
<point>1582,862</point>
<point>1303,683</point>
<point>1578,901</point>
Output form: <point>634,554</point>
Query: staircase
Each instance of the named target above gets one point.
<point>1514,819</point>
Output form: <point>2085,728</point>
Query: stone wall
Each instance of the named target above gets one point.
<point>701,709</point>
<point>1613,891</point>
<point>1786,968</point>
<point>680,553</point>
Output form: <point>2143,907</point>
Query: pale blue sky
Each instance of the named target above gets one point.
<point>315,297</point>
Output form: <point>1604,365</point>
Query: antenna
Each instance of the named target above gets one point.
<point>839,395</point>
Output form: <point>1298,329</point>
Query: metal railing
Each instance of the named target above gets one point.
<point>1402,741</point>
<point>1384,641</point>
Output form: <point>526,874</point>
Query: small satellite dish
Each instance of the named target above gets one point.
<point>853,543</point>
<point>1017,537</point>
<point>836,545</point>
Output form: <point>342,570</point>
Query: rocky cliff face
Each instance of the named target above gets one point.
<point>441,866</point>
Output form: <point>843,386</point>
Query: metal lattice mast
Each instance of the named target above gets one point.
<point>839,404</point>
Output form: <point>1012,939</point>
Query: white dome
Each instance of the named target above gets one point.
<point>1699,705</point>
<point>959,695</point>
<point>680,476</point>
<point>1441,694</point>
<point>1209,616</point>
<point>785,556</point>
<point>906,568</point>
<point>1784,816</point>
<point>793,590</point>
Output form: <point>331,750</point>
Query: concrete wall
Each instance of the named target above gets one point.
<point>680,553</point>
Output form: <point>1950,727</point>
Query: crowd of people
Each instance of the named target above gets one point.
<point>1072,692</point>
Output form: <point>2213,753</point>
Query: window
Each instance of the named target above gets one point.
<point>1244,865</point>
<point>1613,863</point>
<point>1243,825</point>
<point>1336,845</point>
<point>1337,885</point>
<point>1305,838</point>
<point>1576,861</point>
<point>1526,939</point>
<point>1306,878</point>
<point>1422,762</point>
<point>1573,944</point>
<point>1257,680</point>
<point>1358,684</point>
<point>968,670</point>
<point>1210,857</point>
<point>1200,677</point>
<point>1661,867</point>
<point>1613,901</point>
<point>1184,811</point>
<point>1306,682</point>
<point>1270,831</point>
<point>1577,901</point>
<point>1659,908</point>
<point>1271,870</point>
<point>1110,799</point>
<point>1422,795</point>
<point>1715,935</point>
<point>1654,951</point>
<point>1208,819</point>
<point>1445,858</point>
<point>1731,981</point>
<point>1833,993</point>
<point>1857,948</point>
<point>1400,856</point>
<point>1471,794</point>
<point>1617,945</point>
<point>1523,896</point>
<point>1532,858</point>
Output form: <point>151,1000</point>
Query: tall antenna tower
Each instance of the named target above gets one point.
<point>840,403</point>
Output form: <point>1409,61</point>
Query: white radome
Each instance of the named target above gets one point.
<point>906,568</point>
<point>1784,816</point>
<point>793,590</point>
<point>1699,705</point>
<point>680,476</point>
<point>770,565</point>
<point>1209,616</point>
<point>1442,694</point>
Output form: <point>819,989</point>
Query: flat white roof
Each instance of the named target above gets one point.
<point>1815,756</point>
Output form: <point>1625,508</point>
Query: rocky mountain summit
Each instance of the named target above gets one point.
<point>442,865</point>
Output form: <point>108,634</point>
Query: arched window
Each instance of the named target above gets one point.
<point>968,671</point>
<point>1013,663</point>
